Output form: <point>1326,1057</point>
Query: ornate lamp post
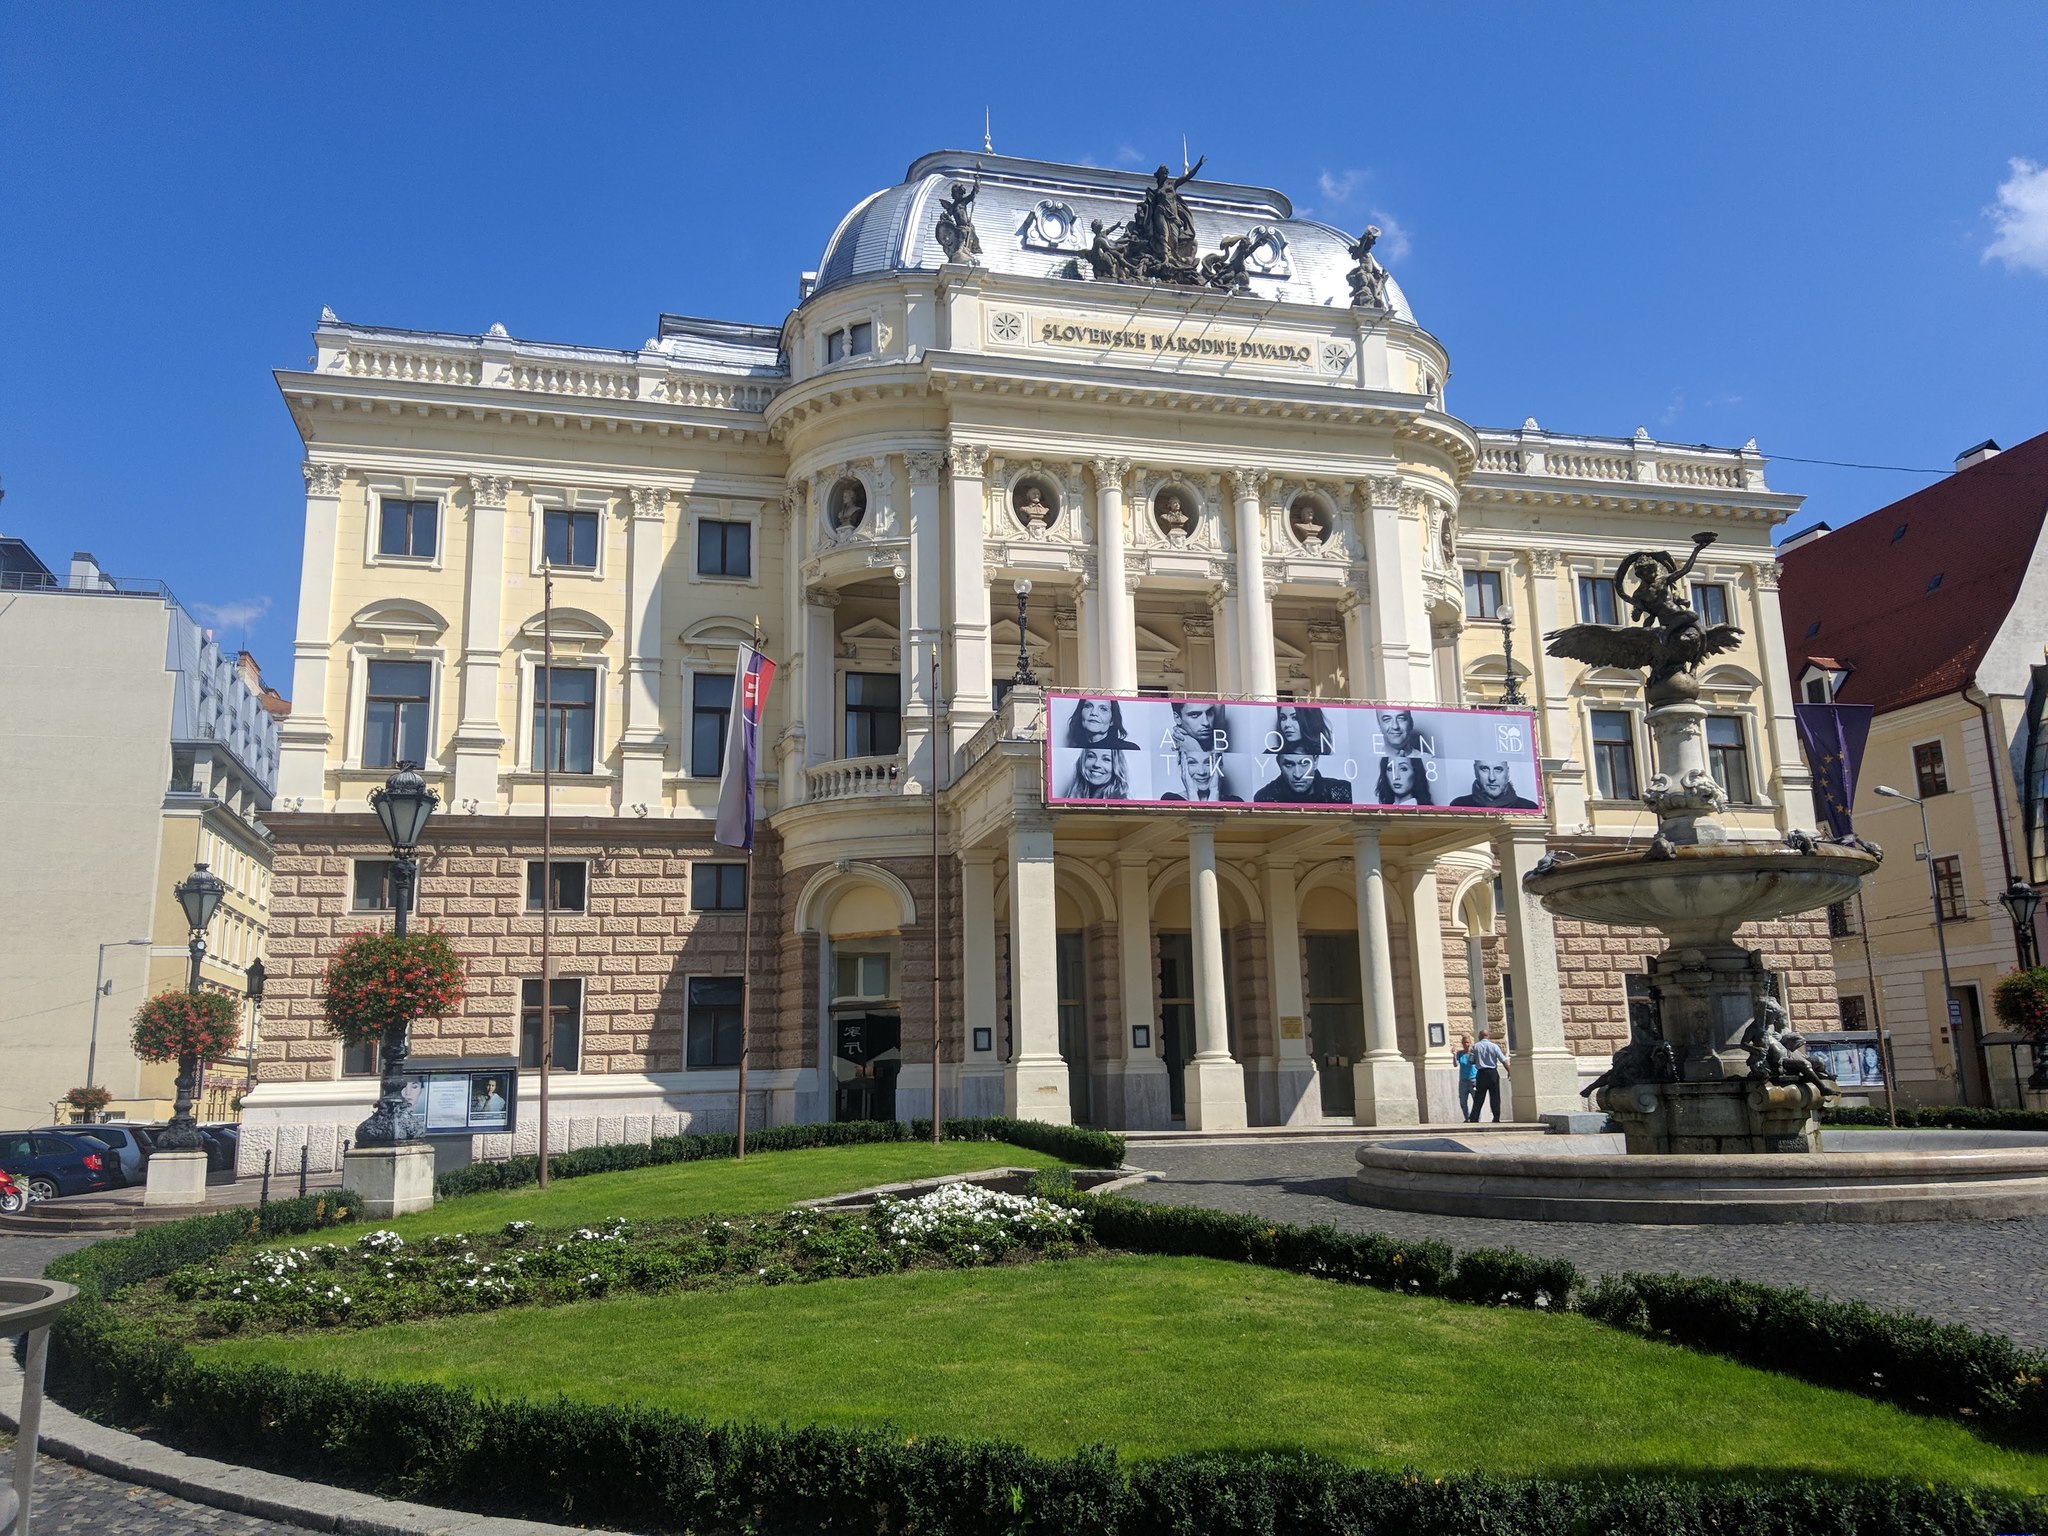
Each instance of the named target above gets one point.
<point>199,895</point>
<point>402,806</point>
<point>1513,698</point>
<point>255,975</point>
<point>1025,677</point>
<point>2021,901</point>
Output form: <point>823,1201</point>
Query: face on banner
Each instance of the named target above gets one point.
<point>1334,756</point>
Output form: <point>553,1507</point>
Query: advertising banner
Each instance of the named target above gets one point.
<point>1297,756</point>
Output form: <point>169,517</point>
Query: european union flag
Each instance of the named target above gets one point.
<point>1834,736</point>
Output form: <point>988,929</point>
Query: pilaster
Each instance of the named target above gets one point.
<point>1035,1082</point>
<point>1543,1069</point>
<point>967,621</point>
<point>642,748</point>
<point>305,739</point>
<point>479,736</point>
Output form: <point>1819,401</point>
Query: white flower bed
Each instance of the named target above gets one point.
<point>975,1223</point>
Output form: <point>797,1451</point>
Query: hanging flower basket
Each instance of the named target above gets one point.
<point>89,1101</point>
<point>378,980</point>
<point>2021,1001</point>
<point>175,1024</point>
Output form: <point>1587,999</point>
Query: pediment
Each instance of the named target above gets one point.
<point>392,616</point>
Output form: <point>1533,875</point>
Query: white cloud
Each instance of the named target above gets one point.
<point>1394,243</point>
<point>2022,219</point>
<point>237,615</point>
<point>1338,186</point>
<point>1126,155</point>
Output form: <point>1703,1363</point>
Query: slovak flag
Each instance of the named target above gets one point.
<point>750,682</point>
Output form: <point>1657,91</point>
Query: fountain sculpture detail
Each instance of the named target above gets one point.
<point>1714,1066</point>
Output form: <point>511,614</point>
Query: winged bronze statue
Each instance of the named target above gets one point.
<point>1665,636</point>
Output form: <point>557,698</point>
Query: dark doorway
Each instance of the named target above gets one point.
<point>1176,1014</point>
<point>866,1056</point>
<point>1336,1018</point>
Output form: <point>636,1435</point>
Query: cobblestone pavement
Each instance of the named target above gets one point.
<point>1991,1275</point>
<point>23,1258</point>
<point>72,1500</point>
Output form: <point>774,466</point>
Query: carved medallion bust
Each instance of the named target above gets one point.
<point>1172,519</point>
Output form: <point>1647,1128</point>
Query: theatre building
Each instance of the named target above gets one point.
<point>1143,614</point>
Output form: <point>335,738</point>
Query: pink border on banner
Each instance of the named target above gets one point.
<point>1527,717</point>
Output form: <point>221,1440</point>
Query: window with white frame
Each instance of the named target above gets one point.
<point>1482,594</point>
<point>399,697</point>
<point>1596,600</point>
<point>407,530</point>
<point>1614,754</point>
<point>571,884</point>
<point>850,341</point>
<point>565,719</point>
<point>1728,757</point>
<point>568,1023</point>
<point>710,709</point>
<point>1710,602</point>
<point>725,549</point>
<point>569,538</point>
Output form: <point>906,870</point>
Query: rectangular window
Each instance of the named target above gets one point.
<point>569,539</point>
<point>725,549</point>
<point>572,880</point>
<point>1728,757</point>
<point>184,761</point>
<point>373,891</point>
<point>712,1022</point>
<point>835,346</point>
<point>1816,690</point>
<point>408,530</point>
<point>718,887</point>
<point>395,719</point>
<point>1710,602</point>
<point>1482,594</point>
<point>874,714</point>
<point>1948,888</point>
<point>860,977</point>
<point>359,1060</point>
<point>710,709</point>
<point>1854,1014</point>
<point>1841,920</point>
<point>860,338</point>
<point>1614,755</point>
<point>1596,600</point>
<point>567,740</point>
<point>1930,768</point>
<point>568,1022</point>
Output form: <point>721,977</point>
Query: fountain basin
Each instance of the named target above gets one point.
<point>1701,893</point>
<point>1858,1175</point>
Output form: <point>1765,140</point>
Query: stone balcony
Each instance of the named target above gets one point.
<point>854,778</point>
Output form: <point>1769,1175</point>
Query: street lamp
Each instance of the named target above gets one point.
<point>2021,901</point>
<point>102,987</point>
<point>199,895</point>
<point>1948,986</point>
<point>255,976</point>
<point>1513,698</point>
<point>402,806</point>
<point>1025,676</point>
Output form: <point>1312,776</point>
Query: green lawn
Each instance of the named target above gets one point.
<point>1161,1355</point>
<point>766,1181</point>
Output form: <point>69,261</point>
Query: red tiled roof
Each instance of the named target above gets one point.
<point>1868,590</point>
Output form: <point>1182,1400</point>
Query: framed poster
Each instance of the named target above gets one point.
<point>461,1095</point>
<point>1293,756</point>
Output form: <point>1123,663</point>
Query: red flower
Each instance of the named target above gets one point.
<point>377,980</point>
<point>175,1024</point>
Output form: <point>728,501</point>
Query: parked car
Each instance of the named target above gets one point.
<point>47,1165</point>
<point>223,1146</point>
<point>131,1146</point>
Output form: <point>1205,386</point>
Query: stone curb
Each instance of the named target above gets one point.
<point>244,1490</point>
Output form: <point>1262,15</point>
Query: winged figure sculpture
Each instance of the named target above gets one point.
<point>1666,636</point>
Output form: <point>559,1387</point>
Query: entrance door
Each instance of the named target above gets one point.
<point>866,1056</point>
<point>1976,1084</point>
<point>1176,1015</point>
<point>1336,1018</point>
<point>1074,1024</point>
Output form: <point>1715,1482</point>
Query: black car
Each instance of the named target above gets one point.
<point>131,1146</point>
<point>47,1164</point>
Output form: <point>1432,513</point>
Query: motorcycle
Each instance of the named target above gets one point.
<point>13,1200</point>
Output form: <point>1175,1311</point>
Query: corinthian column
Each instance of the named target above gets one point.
<point>1257,673</point>
<point>1117,631</point>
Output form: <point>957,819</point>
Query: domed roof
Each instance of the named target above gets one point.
<point>1032,218</point>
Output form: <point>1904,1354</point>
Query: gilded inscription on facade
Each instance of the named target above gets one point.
<point>1270,349</point>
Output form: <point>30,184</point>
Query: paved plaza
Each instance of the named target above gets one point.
<point>1991,1275</point>
<point>71,1501</point>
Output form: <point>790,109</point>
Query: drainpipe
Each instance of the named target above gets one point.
<point>1982,702</point>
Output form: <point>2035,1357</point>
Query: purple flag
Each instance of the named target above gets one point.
<point>1833,735</point>
<point>743,749</point>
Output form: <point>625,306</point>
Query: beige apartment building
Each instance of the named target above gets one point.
<point>1235,483</point>
<point>133,748</point>
<point>1933,611</point>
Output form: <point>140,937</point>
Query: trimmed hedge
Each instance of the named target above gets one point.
<point>107,1267</point>
<point>1943,1117</point>
<point>1982,1378</point>
<point>1094,1149</point>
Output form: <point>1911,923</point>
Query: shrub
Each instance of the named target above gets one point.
<point>89,1101</point>
<point>1935,1367</point>
<point>2021,1000</point>
<point>175,1024</point>
<point>1099,1149</point>
<point>377,981</point>
<point>1946,1117</point>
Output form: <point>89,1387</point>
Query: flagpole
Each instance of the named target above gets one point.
<point>547,851</point>
<point>738,719</point>
<point>938,942</point>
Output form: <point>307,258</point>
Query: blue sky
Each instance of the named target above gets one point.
<point>1823,226</point>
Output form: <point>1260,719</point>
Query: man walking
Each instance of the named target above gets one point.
<point>1487,1059</point>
